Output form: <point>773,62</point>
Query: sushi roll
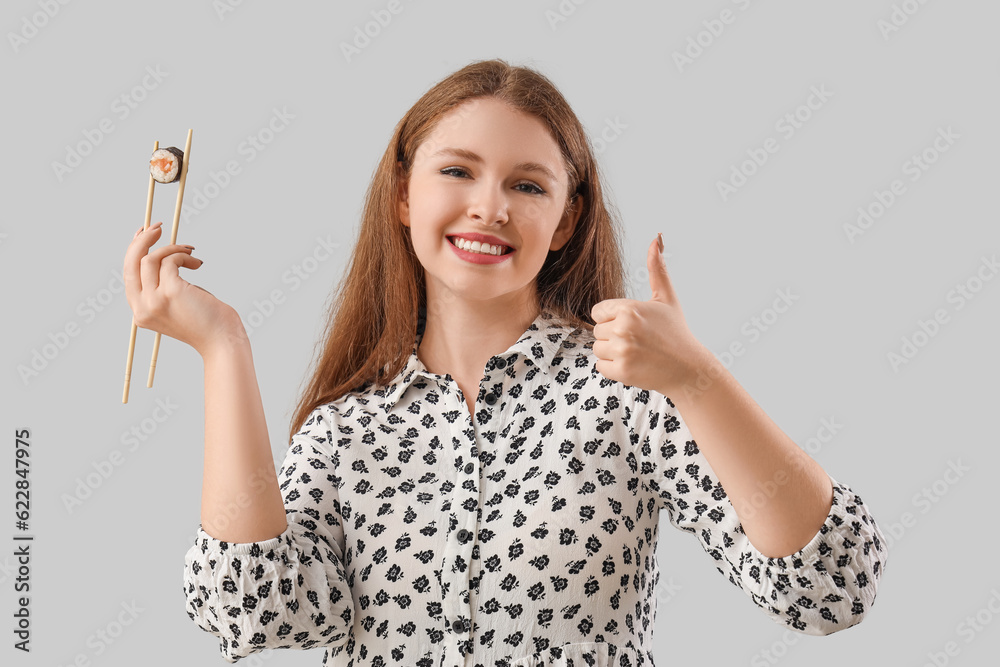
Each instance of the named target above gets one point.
<point>165,164</point>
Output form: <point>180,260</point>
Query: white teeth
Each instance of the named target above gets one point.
<point>476,246</point>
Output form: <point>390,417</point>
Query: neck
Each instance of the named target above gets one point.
<point>460,337</point>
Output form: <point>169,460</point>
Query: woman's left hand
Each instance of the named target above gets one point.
<point>647,344</point>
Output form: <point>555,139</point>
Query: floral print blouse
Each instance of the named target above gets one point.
<point>523,534</point>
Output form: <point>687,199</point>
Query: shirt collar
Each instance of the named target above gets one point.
<point>538,345</point>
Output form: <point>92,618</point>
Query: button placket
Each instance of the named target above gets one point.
<point>456,604</point>
<point>491,398</point>
<point>457,612</point>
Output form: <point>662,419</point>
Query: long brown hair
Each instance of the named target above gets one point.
<point>371,322</point>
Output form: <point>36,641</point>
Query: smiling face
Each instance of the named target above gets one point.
<point>486,169</point>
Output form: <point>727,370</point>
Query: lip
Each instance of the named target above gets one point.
<point>484,238</point>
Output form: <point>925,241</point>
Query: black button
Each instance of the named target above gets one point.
<point>469,467</point>
<point>501,363</point>
<point>457,626</point>
<point>491,399</point>
<point>463,535</point>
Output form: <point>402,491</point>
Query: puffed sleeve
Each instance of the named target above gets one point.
<point>289,591</point>
<point>826,586</point>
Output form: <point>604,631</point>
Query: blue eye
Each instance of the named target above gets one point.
<point>537,190</point>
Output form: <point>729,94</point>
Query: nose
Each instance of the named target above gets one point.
<point>488,203</point>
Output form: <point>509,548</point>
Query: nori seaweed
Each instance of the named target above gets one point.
<point>179,154</point>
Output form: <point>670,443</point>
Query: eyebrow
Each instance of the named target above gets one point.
<point>474,157</point>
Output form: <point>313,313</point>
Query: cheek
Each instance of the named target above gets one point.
<point>432,212</point>
<point>533,253</point>
<point>424,244</point>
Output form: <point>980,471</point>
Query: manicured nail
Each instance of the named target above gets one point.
<point>659,241</point>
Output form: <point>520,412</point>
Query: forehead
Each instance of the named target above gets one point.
<point>493,130</point>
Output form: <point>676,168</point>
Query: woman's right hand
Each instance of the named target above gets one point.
<point>163,301</point>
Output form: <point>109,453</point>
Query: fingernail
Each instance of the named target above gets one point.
<point>659,240</point>
<point>189,246</point>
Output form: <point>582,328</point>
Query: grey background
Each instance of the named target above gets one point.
<point>63,242</point>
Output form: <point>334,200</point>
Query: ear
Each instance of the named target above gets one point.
<point>402,196</point>
<point>568,223</point>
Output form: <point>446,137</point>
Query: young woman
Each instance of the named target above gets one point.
<point>477,467</point>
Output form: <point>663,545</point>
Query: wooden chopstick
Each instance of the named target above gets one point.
<point>131,340</point>
<point>173,239</point>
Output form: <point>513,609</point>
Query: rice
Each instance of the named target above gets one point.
<point>165,164</point>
